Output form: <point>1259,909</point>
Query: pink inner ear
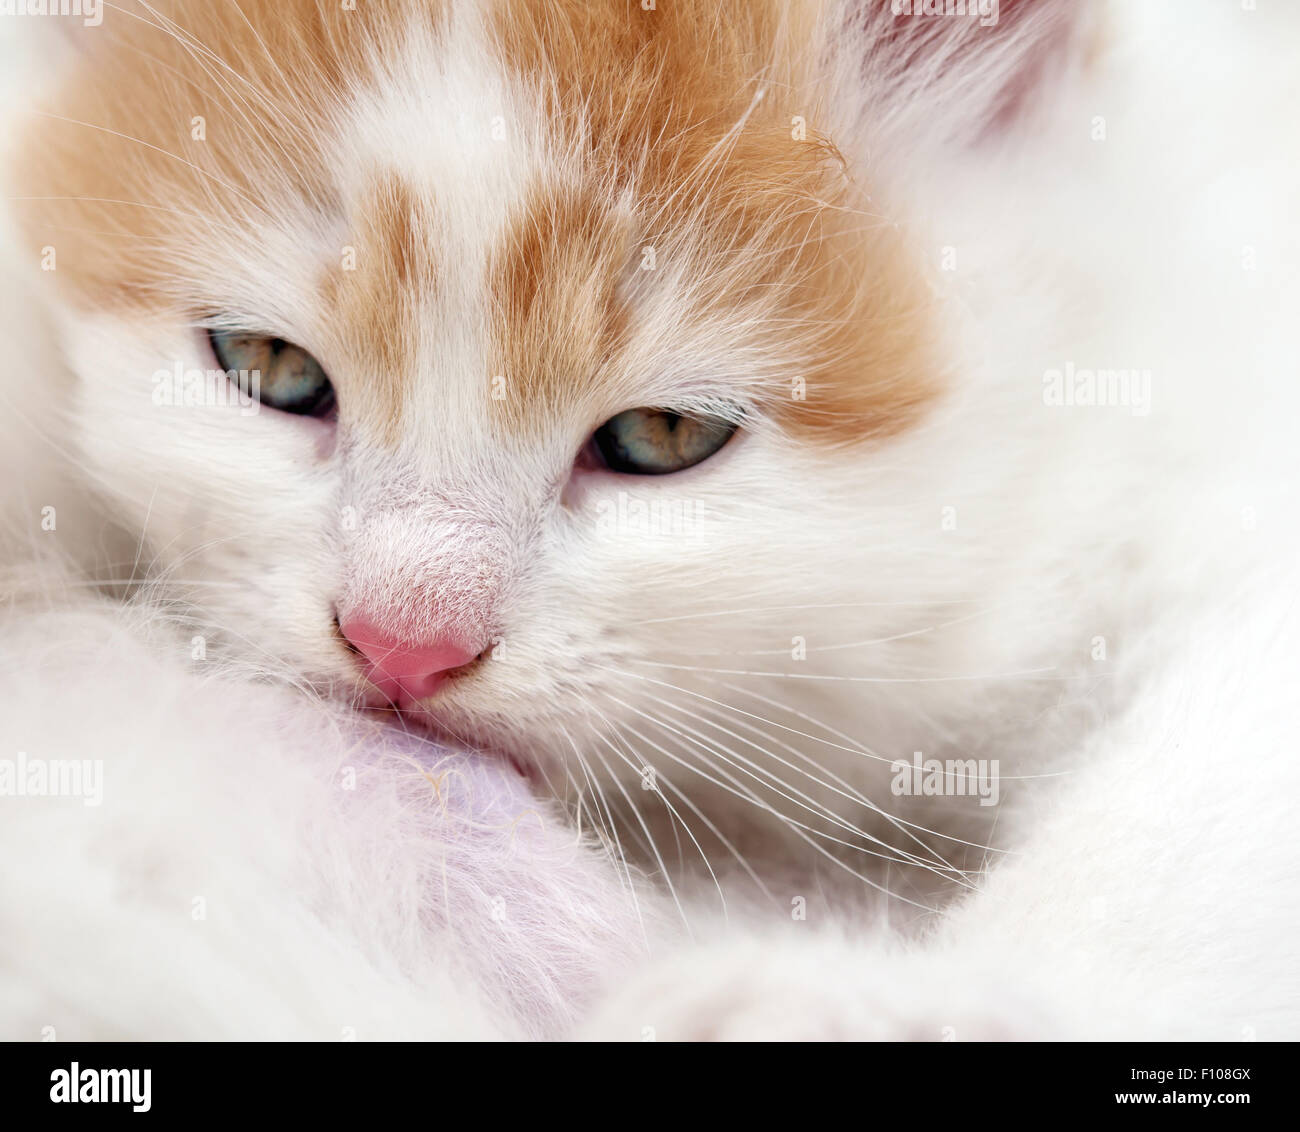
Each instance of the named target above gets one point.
<point>1013,57</point>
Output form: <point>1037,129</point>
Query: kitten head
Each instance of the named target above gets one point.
<point>556,372</point>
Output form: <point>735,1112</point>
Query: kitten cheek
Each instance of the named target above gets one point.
<point>322,431</point>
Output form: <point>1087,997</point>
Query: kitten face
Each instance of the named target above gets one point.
<point>496,228</point>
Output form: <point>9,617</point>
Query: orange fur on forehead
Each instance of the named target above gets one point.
<point>691,110</point>
<point>141,211</point>
<point>556,311</point>
<point>375,302</point>
<point>117,179</point>
<point>658,108</point>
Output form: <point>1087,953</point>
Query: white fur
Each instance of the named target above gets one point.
<point>1141,878</point>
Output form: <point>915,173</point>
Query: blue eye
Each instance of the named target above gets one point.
<point>278,373</point>
<point>656,442</point>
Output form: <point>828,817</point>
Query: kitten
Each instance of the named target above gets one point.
<point>792,436</point>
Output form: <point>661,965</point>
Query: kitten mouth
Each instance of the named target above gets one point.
<point>392,706</point>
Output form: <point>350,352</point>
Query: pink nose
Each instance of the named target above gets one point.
<point>402,671</point>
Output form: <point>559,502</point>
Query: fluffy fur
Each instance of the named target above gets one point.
<point>874,238</point>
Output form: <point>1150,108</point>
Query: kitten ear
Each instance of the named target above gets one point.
<point>958,71</point>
